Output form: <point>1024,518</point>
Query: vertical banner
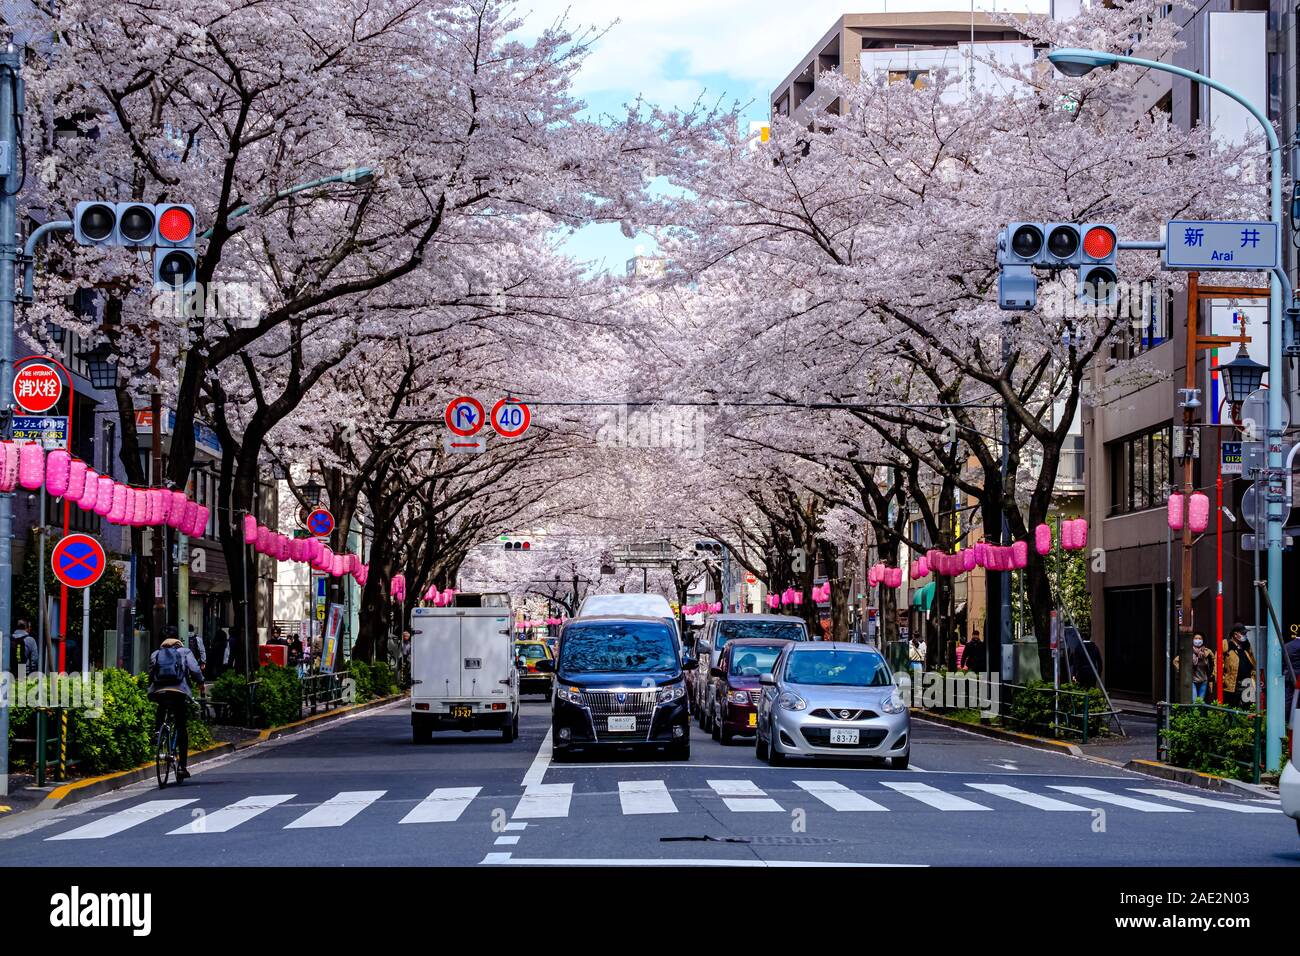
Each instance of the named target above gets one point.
<point>330,643</point>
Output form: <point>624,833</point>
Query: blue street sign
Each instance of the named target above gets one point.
<point>50,430</point>
<point>1234,246</point>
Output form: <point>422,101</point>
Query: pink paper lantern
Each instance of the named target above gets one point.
<point>922,568</point>
<point>314,548</point>
<point>176,512</point>
<point>199,525</point>
<point>1043,538</point>
<point>968,562</point>
<point>261,539</point>
<point>104,498</point>
<point>1020,554</point>
<point>117,513</point>
<point>1198,512</point>
<point>57,465</point>
<point>188,514</point>
<point>164,506</point>
<point>76,479</point>
<point>250,529</point>
<point>9,459</point>
<point>89,491</point>
<point>1080,533</point>
<point>282,554</point>
<point>895,577</point>
<point>1174,511</point>
<point>139,508</point>
<point>31,465</point>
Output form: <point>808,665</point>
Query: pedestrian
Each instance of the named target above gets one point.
<point>1238,667</point>
<point>961,651</point>
<point>916,656</point>
<point>1202,667</point>
<point>198,650</point>
<point>220,652</point>
<point>295,653</point>
<point>404,672</point>
<point>976,655</point>
<point>171,668</point>
<point>1292,652</point>
<point>23,652</point>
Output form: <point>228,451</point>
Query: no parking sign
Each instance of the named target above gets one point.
<point>78,561</point>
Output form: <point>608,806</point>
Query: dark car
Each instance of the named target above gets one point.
<point>619,682</point>
<point>733,702</point>
<point>719,631</point>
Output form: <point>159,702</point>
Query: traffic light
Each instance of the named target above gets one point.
<point>1090,248</point>
<point>135,224</point>
<point>174,261</point>
<point>94,223</point>
<point>518,545</point>
<point>1098,264</point>
<point>1020,248</point>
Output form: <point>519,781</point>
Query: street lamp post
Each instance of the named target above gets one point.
<point>1079,62</point>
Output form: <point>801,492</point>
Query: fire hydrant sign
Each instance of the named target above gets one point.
<point>37,388</point>
<point>1245,246</point>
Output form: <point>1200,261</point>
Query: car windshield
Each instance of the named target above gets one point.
<point>626,648</point>
<point>753,661</point>
<point>778,630</point>
<point>837,668</point>
<point>532,652</point>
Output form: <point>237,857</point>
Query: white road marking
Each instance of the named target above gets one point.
<point>678,861</point>
<point>837,796</point>
<point>645,796</point>
<point>507,840</point>
<point>337,810</point>
<point>515,825</point>
<point>1118,799</point>
<point>544,800</point>
<point>744,796</point>
<point>227,818</point>
<point>537,769</point>
<point>1024,796</point>
<point>495,858</point>
<point>123,820</point>
<point>1205,802</point>
<point>931,796</point>
<point>444,805</point>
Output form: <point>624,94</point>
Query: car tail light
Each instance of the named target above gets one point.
<point>421,706</point>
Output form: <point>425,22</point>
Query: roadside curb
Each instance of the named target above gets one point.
<point>1194,778</point>
<point>1012,736</point>
<point>76,791</point>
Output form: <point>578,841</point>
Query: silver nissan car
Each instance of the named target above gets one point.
<point>831,699</point>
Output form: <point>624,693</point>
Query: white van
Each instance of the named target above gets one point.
<point>463,673</point>
<point>633,605</point>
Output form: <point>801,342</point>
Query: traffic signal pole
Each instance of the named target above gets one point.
<point>10,93</point>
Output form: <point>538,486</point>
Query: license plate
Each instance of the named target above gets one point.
<point>622,723</point>
<point>841,735</point>
<point>462,710</point>
<point>753,720</point>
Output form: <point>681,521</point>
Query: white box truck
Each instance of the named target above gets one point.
<point>463,673</point>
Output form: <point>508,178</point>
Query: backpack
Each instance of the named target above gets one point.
<point>18,651</point>
<point>169,670</point>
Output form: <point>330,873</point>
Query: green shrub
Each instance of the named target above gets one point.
<point>382,680</point>
<point>232,690</point>
<point>1031,708</point>
<point>359,671</point>
<point>200,734</point>
<point>119,738</point>
<point>278,698</point>
<point>1208,741</point>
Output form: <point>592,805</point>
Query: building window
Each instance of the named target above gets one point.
<point>1141,470</point>
<point>1141,334</point>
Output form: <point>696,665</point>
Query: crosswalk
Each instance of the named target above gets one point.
<point>642,797</point>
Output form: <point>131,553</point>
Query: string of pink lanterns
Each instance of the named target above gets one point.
<point>704,607</point>
<point>28,466</point>
<point>311,551</point>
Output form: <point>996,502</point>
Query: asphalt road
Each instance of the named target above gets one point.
<point>358,792</point>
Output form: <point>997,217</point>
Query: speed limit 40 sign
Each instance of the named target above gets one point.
<point>510,418</point>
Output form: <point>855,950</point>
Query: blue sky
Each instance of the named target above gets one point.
<point>673,51</point>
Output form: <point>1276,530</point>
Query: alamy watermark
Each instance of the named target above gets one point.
<point>675,428</point>
<point>932,690</point>
<point>77,691</point>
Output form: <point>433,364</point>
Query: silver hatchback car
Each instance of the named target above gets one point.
<point>831,699</point>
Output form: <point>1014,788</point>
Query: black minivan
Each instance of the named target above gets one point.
<point>619,682</point>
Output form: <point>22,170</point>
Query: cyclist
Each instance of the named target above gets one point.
<point>170,668</point>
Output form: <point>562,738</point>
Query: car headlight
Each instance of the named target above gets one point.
<point>894,703</point>
<point>572,694</point>
<point>740,697</point>
<point>789,701</point>
<point>671,693</point>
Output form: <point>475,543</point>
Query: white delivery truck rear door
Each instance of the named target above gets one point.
<point>487,668</point>
<point>435,654</point>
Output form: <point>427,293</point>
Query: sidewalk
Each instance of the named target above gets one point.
<point>1139,744</point>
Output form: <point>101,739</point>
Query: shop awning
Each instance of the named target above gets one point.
<point>923,597</point>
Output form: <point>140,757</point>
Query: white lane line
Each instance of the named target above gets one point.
<point>1118,799</point>
<point>837,796</point>
<point>513,825</point>
<point>932,797</point>
<point>337,810</point>
<point>537,769</point>
<point>744,796</point>
<point>444,805</point>
<point>645,796</point>
<point>1024,796</point>
<point>679,861</point>
<point>507,840</point>
<point>1205,802</point>
<point>123,820</point>
<point>542,800</point>
<point>227,818</point>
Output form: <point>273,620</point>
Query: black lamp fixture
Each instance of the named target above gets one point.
<point>311,492</point>
<point>1244,376</point>
<point>99,362</point>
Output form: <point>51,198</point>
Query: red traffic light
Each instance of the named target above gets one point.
<point>175,224</point>
<point>1099,242</point>
<point>526,545</point>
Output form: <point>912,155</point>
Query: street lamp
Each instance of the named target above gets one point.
<point>311,492</point>
<point>103,371</point>
<point>1244,376</point>
<point>1075,62</point>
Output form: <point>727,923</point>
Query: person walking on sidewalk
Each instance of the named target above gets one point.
<point>1238,666</point>
<point>1202,667</point>
<point>916,656</point>
<point>976,655</point>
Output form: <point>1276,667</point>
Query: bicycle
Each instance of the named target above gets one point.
<point>165,756</point>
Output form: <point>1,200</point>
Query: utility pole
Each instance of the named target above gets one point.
<point>11,93</point>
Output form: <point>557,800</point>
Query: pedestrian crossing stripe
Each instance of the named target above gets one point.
<point>648,797</point>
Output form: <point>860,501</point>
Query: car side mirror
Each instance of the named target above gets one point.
<point>767,680</point>
<point>717,672</point>
<point>690,664</point>
<point>545,666</point>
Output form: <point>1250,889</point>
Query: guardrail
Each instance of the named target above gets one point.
<point>1070,711</point>
<point>1231,719</point>
<point>323,690</point>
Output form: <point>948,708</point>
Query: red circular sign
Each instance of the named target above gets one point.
<point>320,523</point>
<point>78,560</point>
<point>464,416</point>
<point>510,418</point>
<point>37,387</point>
